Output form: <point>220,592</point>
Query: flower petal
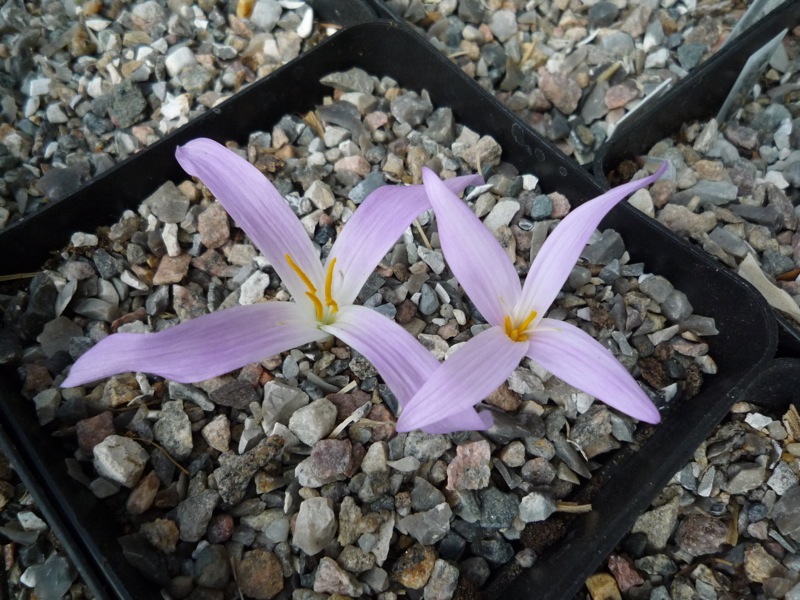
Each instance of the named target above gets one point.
<point>200,348</point>
<point>402,361</point>
<point>469,375</point>
<point>479,263</point>
<point>577,358</point>
<point>375,227</point>
<point>561,249</point>
<point>466,420</point>
<point>257,207</point>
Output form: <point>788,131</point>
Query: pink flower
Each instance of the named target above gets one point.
<point>323,294</point>
<point>516,315</point>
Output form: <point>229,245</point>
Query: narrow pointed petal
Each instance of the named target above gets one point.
<point>463,380</point>
<point>257,207</point>
<point>467,420</point>
<point>479,263</point>
<point>200,348</point>
<point>561,249</point>
<point>577,358</point>
<point>375,227</point>
<point>402,361</point>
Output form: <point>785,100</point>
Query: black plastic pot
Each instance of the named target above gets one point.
<point>699,96</point>
<point>777,386</point>
<point>618,493</point>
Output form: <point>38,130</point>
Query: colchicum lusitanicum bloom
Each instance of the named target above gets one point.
<point>516,314</point>
<point>220,342</point>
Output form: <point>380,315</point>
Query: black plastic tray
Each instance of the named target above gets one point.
<point>777,386</point>
<point>700,96</point>
<point>746,340</point>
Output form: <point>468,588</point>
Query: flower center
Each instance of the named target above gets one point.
<point>519,333</point>
<point>312,294</point>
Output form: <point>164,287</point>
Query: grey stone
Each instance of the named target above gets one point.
<point>427,527</point>
<point>280,402</point>
<point>602,14</point>
<point>657,287</point>
<point>168,203</point>
<point>120,459</point>
<point>677,306</point>
<point>713,192</point>
<point>315,526</point>
<point>426,446</point>
<point>411,108</point>
<point>608,246</point>
<point>56,335</point>
<point>536,507</point>
<point>194,513</point>
<point>729,241</point>
<point>212,567</point>
<point>498,509</point>
<point>743,477</point>
<point>364,188</point>
<point>442,582</point>
<point>424,495</point>
<point>313,422</point>
<point>352,80</point>
<point>98,310</point>
<point>691,54</point>
<point>428,300</point>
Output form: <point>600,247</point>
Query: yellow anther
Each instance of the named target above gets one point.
<point>302,275</point>
<point>329,301</point>
<point>518,334</point>
<point>317,304</point>
<point>527,321</point>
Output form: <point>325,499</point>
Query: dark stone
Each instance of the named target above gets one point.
<point>149,561</point>
<point>236,394</point>
<point>602,14</point>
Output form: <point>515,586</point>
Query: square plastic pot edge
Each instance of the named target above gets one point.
<point>746,339</point>
<point>696,97</point>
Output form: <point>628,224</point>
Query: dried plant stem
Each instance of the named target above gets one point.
<point>573,508</point>
<point>424,237</point>
<point>15,276</point>
<point>167,454</point>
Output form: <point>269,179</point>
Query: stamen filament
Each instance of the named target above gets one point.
<point>329,301</point>
<point>517,334</point>
<point>302,275</point>
<point>317,305</point>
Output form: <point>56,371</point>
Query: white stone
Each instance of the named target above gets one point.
<point>657,59</point>
<point>55,114</point>
<point>253,289</point>
<point>120,459</point>
<point>176,106</point>
<point>306,24</point>
<point>757,420</point>
<point>31,521</point>
<point>80,239</point>
<point>178,60</point>
<point>643,201</point>
<point>169,235</point>
<point>39,87</point>
<point>131,280</point>
<point>536,507</point>
<point>266,14</point>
